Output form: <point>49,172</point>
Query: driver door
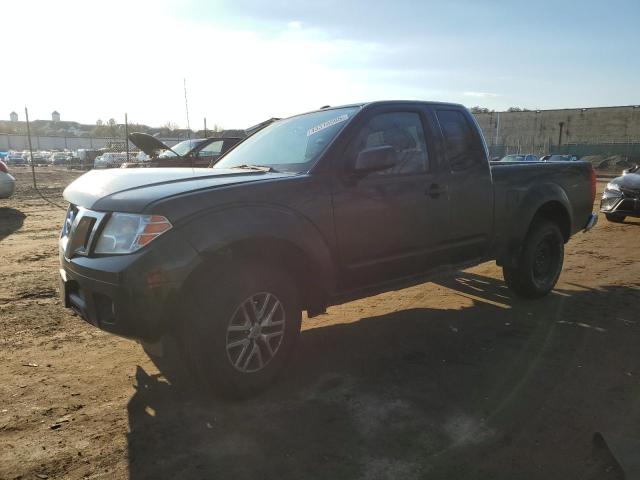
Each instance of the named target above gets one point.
<point>392,223</point>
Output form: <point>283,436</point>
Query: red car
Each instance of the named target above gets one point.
<point>197,152</point>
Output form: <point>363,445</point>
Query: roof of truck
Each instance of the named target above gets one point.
<point>384,102</point>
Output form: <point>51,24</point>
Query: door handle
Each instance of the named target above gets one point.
<point>435,190</point>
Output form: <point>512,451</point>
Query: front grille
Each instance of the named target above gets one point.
<point>79,229</point>
<point>72,211</point>
<point>608,203</point>
<point>79,238</point>
<point>628,204</point>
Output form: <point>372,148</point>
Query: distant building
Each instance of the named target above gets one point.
<point>55,116</point>
<point>13,116</point>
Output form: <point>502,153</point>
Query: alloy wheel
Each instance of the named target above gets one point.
<point>255,332</point>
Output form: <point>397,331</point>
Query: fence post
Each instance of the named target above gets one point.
<point>126,134</point>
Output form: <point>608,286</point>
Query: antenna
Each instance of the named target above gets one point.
<point>186,107</point>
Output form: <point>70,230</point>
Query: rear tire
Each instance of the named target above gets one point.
<point>244,322</point>
<point>614,218</point>
<point>540,262</point>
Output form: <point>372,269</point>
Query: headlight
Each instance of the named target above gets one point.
<point>128,233</point>
<point>612,190</point>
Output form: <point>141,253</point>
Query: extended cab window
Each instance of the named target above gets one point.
<point>401,130</point>
<point>461,141</point>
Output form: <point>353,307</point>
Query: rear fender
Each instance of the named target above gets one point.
<point>546,197</point>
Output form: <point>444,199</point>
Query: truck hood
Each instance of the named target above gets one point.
<point>132,190</point>
<point>630,181</point>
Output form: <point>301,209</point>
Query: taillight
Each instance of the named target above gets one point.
<point>3,167</point>
<point>593,185</point>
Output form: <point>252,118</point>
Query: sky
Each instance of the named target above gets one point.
<point>248,60</point>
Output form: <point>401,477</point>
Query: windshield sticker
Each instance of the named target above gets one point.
<point>327,124</point>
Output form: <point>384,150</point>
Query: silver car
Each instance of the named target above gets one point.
<point>7,182</point>
<point>110,160</point>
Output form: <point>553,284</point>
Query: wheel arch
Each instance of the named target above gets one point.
<point>557,213</point>
<point>547,201</point>
<point>273,236</point>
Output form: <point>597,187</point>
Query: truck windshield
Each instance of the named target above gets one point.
<point>290,145</point>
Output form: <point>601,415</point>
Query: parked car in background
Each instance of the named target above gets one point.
<point>7,182</point>
<point>37,159</point>
<point>621,197</point>
<point>559,158</point>
<point>15,158</point>
<point>634,169</point>
<point>110,160</point>
<point>519,158</point>
<point>198,152</point>
<point>87,157</point>
<point>59,158</point>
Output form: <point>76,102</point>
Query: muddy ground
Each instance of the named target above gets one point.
<point>450,379</point>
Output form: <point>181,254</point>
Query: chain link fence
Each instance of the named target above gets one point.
<point>71,152</point>
<point>627,151</point>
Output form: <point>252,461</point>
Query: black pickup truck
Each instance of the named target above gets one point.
<point>314,210</point>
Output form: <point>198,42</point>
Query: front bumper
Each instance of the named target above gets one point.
<point>116,307</point>
<point>624,203</point>
<point>136,296</point>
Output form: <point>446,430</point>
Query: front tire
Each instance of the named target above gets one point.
<point>244,324</point>
<point>540,262</point>
<point>614,218</point>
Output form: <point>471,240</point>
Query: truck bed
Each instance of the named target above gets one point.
<point>517,187</point>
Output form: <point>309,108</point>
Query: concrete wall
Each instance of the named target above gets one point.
<point>542,128</point>
<point>533,131</point>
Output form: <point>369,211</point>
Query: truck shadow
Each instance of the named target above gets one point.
<point>11,221</point>
<point>515,388</point>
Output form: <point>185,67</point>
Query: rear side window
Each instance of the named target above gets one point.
<point>463,148</point>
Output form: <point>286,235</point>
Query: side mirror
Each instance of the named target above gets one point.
<point>375,159</point>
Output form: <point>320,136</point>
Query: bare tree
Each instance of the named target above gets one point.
<point>170,125</point>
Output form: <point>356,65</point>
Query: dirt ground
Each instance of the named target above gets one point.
<point>451,379</point>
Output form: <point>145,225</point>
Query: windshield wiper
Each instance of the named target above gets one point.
<point>262,168</point>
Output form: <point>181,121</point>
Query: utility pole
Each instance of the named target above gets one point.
<point>497,128</point>
<point>126,134</point>
<point>186,107</point>
<point>33,171</point>
<point>560,134</point>
<point>205,127</point>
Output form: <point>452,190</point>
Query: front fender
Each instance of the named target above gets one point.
<point>215,230</point>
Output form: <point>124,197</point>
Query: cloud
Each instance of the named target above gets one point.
<point>481,94</point>
<point>236,77</point>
